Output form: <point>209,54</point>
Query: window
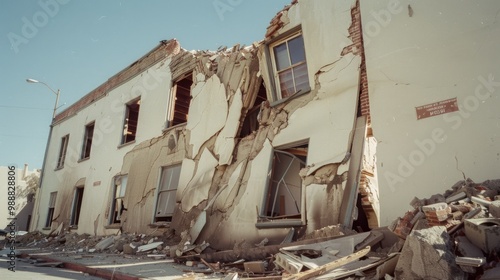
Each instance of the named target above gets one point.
<point>131,119</point>
<point>77,206</point>
<point>180,99</point>
<point>118,195</point>
<point>87,140</point>
<point>52,206</point>
<point>290,67</point>
<point>62,151</point>
<point>284,193</point>
<point>167,188</point>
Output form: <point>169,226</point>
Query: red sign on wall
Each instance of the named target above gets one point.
<point>437,108</point>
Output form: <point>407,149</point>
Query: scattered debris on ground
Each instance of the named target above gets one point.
<point>453,235</point>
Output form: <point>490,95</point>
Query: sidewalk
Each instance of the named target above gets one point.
<point>114,266</point>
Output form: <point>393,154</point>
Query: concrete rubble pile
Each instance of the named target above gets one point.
<point>454,235</point>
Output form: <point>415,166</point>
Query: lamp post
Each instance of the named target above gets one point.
<point>37,202</point>
<point>55,92</point>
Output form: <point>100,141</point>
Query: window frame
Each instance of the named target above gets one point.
<point>63,149</point>
<point>126,122</point>
<point>51,209</point>
<point>76,206</point>
<point>171,119</point>
<point>88,137</point>
<point>159,190</point>
<point>266,221</point>
<point>119,191</point>
<point>272,68</point>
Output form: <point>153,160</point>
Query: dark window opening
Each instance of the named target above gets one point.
<point>167,189</point>
<point>87,141</point>
<point>181,98</point>
<point>62,151</point>
<point>284,192</point>
<point>77,206</point>
<point>250,123</point>
<point>131,121</point>
<point>117,206</point>
<point>52,205</point>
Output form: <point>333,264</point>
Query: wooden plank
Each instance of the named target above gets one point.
<point>329,266</point>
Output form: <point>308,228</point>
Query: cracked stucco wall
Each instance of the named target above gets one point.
<point>325,117</point>
<point>419,53</point>
<point>107,111</point>
<point>216,159</point>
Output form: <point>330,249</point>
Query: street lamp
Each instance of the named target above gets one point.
<point>55,92</point>
<point>37,202</point>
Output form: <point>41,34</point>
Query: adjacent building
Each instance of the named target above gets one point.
<point>24,191</point>
<point>342,114</point>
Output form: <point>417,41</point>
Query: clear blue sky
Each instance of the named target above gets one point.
<point>75,45</point>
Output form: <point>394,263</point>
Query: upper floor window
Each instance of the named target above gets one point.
<point>62,151</point>
<point>289,65</point>
<point>131,121</point>
<point>180,100</point>
<point>87,140</point>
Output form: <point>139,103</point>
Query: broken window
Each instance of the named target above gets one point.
<point>289,65</point>
<point>77,206</point>
<point>167,188</point>
<point>131,120</point>
<point>284,193</point>
<point>117,207</point>
<point>87,140</point>
<point>52,206</point>
<point>180,99</point>
<point>62,151</point>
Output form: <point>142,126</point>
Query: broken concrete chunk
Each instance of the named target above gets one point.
<point>484,233</point>
<point>105,243</point>
<point>456,197</point>
<point>149,247</point>
<point>467,249</point>
<point>127,249</point>
<point>494,208</point>
<point>436,214</point>
<point>255,267</point>
<point>481,201</point>
<point>291,265</point>
<point>426,254</point>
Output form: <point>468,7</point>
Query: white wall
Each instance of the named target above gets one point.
<point>434,51</point>
<point>106,156</point>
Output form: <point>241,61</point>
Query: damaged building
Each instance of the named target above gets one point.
<point>340,115</point>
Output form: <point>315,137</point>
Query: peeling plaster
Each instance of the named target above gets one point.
<point>225,143</point>
<point>197,189</point>
<point>207,113</point>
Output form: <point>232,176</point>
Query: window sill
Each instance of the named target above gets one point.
<point>279,223</point>
<point>160,225</point>
<point>291,97</point>
<point>126,144</point>
<point>113,226</point>
<point>165,129</point>
<point>83,159</point>
<point>59,168</point>
<point>73,227</point>
<point>46,228</point>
